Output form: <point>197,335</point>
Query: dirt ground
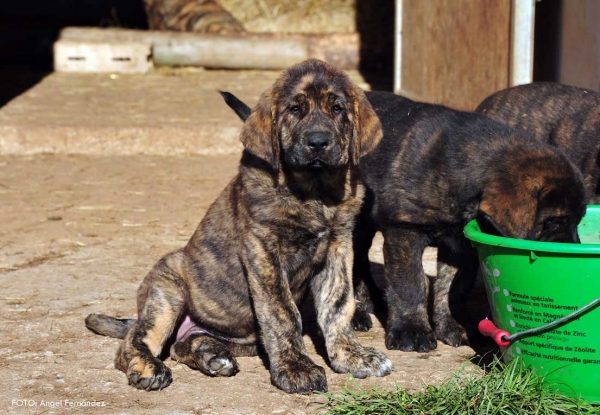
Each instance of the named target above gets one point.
<point>80,231</point>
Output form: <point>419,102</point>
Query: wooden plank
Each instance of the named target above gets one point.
<point>579,47</point>
<point>455,52</point>
<point>233,51</point>
<point>80,56</point>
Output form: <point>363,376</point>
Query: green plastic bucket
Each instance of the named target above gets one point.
<point>530,284</point>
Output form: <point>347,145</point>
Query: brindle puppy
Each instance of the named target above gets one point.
<point>565,116</point>
<point>200,16</point>
<point>435,170</point>
<point>281,227</point>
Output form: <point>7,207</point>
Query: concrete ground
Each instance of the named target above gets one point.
<point>168,112</point>
<point>99,177</point>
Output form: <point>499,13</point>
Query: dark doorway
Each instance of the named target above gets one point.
<point>375,23</point>
<point>29,28</point>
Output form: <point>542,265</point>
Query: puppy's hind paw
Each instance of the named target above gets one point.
<point>361,320</point>
<point>452,333</point>
<point>206,354</point>
<point>223,364</point>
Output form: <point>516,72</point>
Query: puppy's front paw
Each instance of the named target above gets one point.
<point>361,361</point>
<point>148,373</point>
<point>411,338</point>
<point>299,376</point>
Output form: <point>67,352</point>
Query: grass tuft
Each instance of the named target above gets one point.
<point>509,389</point>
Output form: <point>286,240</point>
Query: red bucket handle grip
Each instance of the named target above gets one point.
<point>488,328</point>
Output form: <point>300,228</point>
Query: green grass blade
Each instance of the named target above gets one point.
<point>511,389</point>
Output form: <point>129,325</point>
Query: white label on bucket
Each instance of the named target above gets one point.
<point>509,307</point>
<point>505,292</point>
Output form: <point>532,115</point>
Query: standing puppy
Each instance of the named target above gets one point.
<point>281,227</point>
<point>434,170</point>
<point>565,116</point>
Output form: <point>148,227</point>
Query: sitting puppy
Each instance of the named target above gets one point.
<point>281,227</point>
<point>434,170</point>
<point>565,116</point>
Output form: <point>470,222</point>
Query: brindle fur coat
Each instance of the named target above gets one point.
<point>565,116</point>
<point>282,227</point>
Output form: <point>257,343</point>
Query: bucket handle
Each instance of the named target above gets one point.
<point>504,338</point>
<point>488,328</point>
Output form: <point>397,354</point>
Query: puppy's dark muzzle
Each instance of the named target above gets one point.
<point>568,235</point>
<point>318,149</point>
<point>318,142</point>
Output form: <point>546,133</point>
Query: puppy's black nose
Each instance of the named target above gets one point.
<point>318,140</point>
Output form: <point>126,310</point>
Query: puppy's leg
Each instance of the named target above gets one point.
<point>332,290</point>
<point>363,283</point>
<point>408,325</point>
<point>160,305</point>
<point>455,277</point>
<point>279,319</point>
<point>206,354</point>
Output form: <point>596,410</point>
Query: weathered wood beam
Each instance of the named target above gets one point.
<point>232,51</point>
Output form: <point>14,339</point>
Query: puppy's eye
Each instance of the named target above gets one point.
<point>336,109</point>
<point>294,109</point>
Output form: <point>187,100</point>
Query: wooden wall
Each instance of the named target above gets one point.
<point>455,52</point>
<point>579,44</point>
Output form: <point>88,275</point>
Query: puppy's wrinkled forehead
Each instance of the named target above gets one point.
<point>313,81</point>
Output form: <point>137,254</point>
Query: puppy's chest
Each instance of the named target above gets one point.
<point>299,246</point>
<point>307,230</point>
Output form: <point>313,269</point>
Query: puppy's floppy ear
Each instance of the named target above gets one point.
<point>259,133</point>
<point>489,225</point>
<point>509,209</point>
<point>367,128</point>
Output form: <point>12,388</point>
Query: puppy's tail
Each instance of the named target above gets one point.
<point>240,108</point>
<point>109,326</point>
